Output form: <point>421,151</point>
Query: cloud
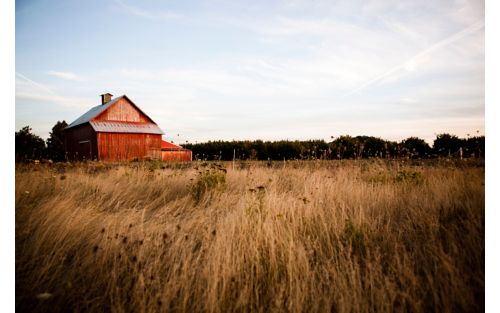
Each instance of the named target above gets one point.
<point>33,83</point>
<point>352,49</point>
<point>148,14</point>
<point>410,65</point>
<point>29,89</point>
<point>408,100</point>
<point>65,75</point>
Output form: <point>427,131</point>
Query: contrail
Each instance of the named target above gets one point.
<point>471,29</point>
<point>34,83</point>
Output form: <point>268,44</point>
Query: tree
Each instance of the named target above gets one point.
<point>474,146</point>
<point>55,143</point>
<point>415,147</point>
<point>371,146</point>
<point>446,144</point>
<point>28,145</point>
<point>344,147</point>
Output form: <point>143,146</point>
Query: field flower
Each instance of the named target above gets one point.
<point>44,296</point>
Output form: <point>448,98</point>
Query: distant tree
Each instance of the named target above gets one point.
<point>474,147</point>
<point>446,144</point>
<point>415,147</point>
<point>55,143</point>
<point>344,147</point>
<point>28,145</point>
<point>369,146</point>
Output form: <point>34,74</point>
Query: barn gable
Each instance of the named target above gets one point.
<point>118,115</point>
<point>124,110</point>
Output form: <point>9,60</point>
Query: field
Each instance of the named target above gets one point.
<point>317,236</point>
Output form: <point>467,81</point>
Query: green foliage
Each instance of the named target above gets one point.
<point>55,143</point>
<point>28,145</point>
<point>342,147</point>
<point>347,147</point>
<point>447,145</point>
<point>153,165</point>
<point>209,178</point>
<point>385,177</point>
<point>353,236</point>
<point>256,206</point>
<point>379,177</point>
<point>371,146</point>
<point>260,150</point>
<point>474,146</point>
<point>409,177</point>
<point>415,147</point>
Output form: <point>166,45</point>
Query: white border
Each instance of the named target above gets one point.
<point>492,151</point>
<point>7,180</point>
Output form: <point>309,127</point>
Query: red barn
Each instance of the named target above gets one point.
<point>117,129</point>
<point>171,152</point>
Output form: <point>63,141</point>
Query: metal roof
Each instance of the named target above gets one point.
<point>115,126</point>
<point>90,114</point>
<point>165,145</point>
<point>125,127</point>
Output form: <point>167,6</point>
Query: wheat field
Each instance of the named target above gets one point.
<point>317,236</point>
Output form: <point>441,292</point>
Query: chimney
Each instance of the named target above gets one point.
<point>106,97</point>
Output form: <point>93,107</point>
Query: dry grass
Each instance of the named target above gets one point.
<point>349,236</point>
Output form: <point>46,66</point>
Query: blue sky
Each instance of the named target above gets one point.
<point>208,70</point>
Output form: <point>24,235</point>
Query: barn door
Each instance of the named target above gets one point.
<point>85,149</point>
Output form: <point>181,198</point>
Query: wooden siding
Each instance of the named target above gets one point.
<point>120,146</point>
<point>176,155</point>
<point>123,111</point>
<point>81,143</point>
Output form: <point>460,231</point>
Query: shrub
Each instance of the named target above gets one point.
<point>409,176</point>
<point>353,236</point>
<point>208,179</point>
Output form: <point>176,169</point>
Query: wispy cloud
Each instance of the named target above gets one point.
<point>410,65</point>
<point>34,84</point>
<point>148,14</point>
<point>408,100</point>
<point>65,75</point>
<point>29,89</point>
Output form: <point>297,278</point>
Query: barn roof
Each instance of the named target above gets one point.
<point>115,126</point>
<point>125,127</point>
<point>165,145</point>
<point>90,114</point>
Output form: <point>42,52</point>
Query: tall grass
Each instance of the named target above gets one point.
<point>353,236</point>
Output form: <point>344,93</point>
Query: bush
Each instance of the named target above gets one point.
<point>28,145</point>
<point>353,236</point>
<point>409,176</point>
<point>208,179</point>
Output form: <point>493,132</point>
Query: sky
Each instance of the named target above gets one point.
<point>245,70</point>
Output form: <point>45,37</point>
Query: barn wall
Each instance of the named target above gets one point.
<point>81,143</point>
<point>176,155</point>
<point>121,146</point>
<point>123,111</point>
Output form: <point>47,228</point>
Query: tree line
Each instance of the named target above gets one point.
<point>343,147</point>
<point>29,146</point>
